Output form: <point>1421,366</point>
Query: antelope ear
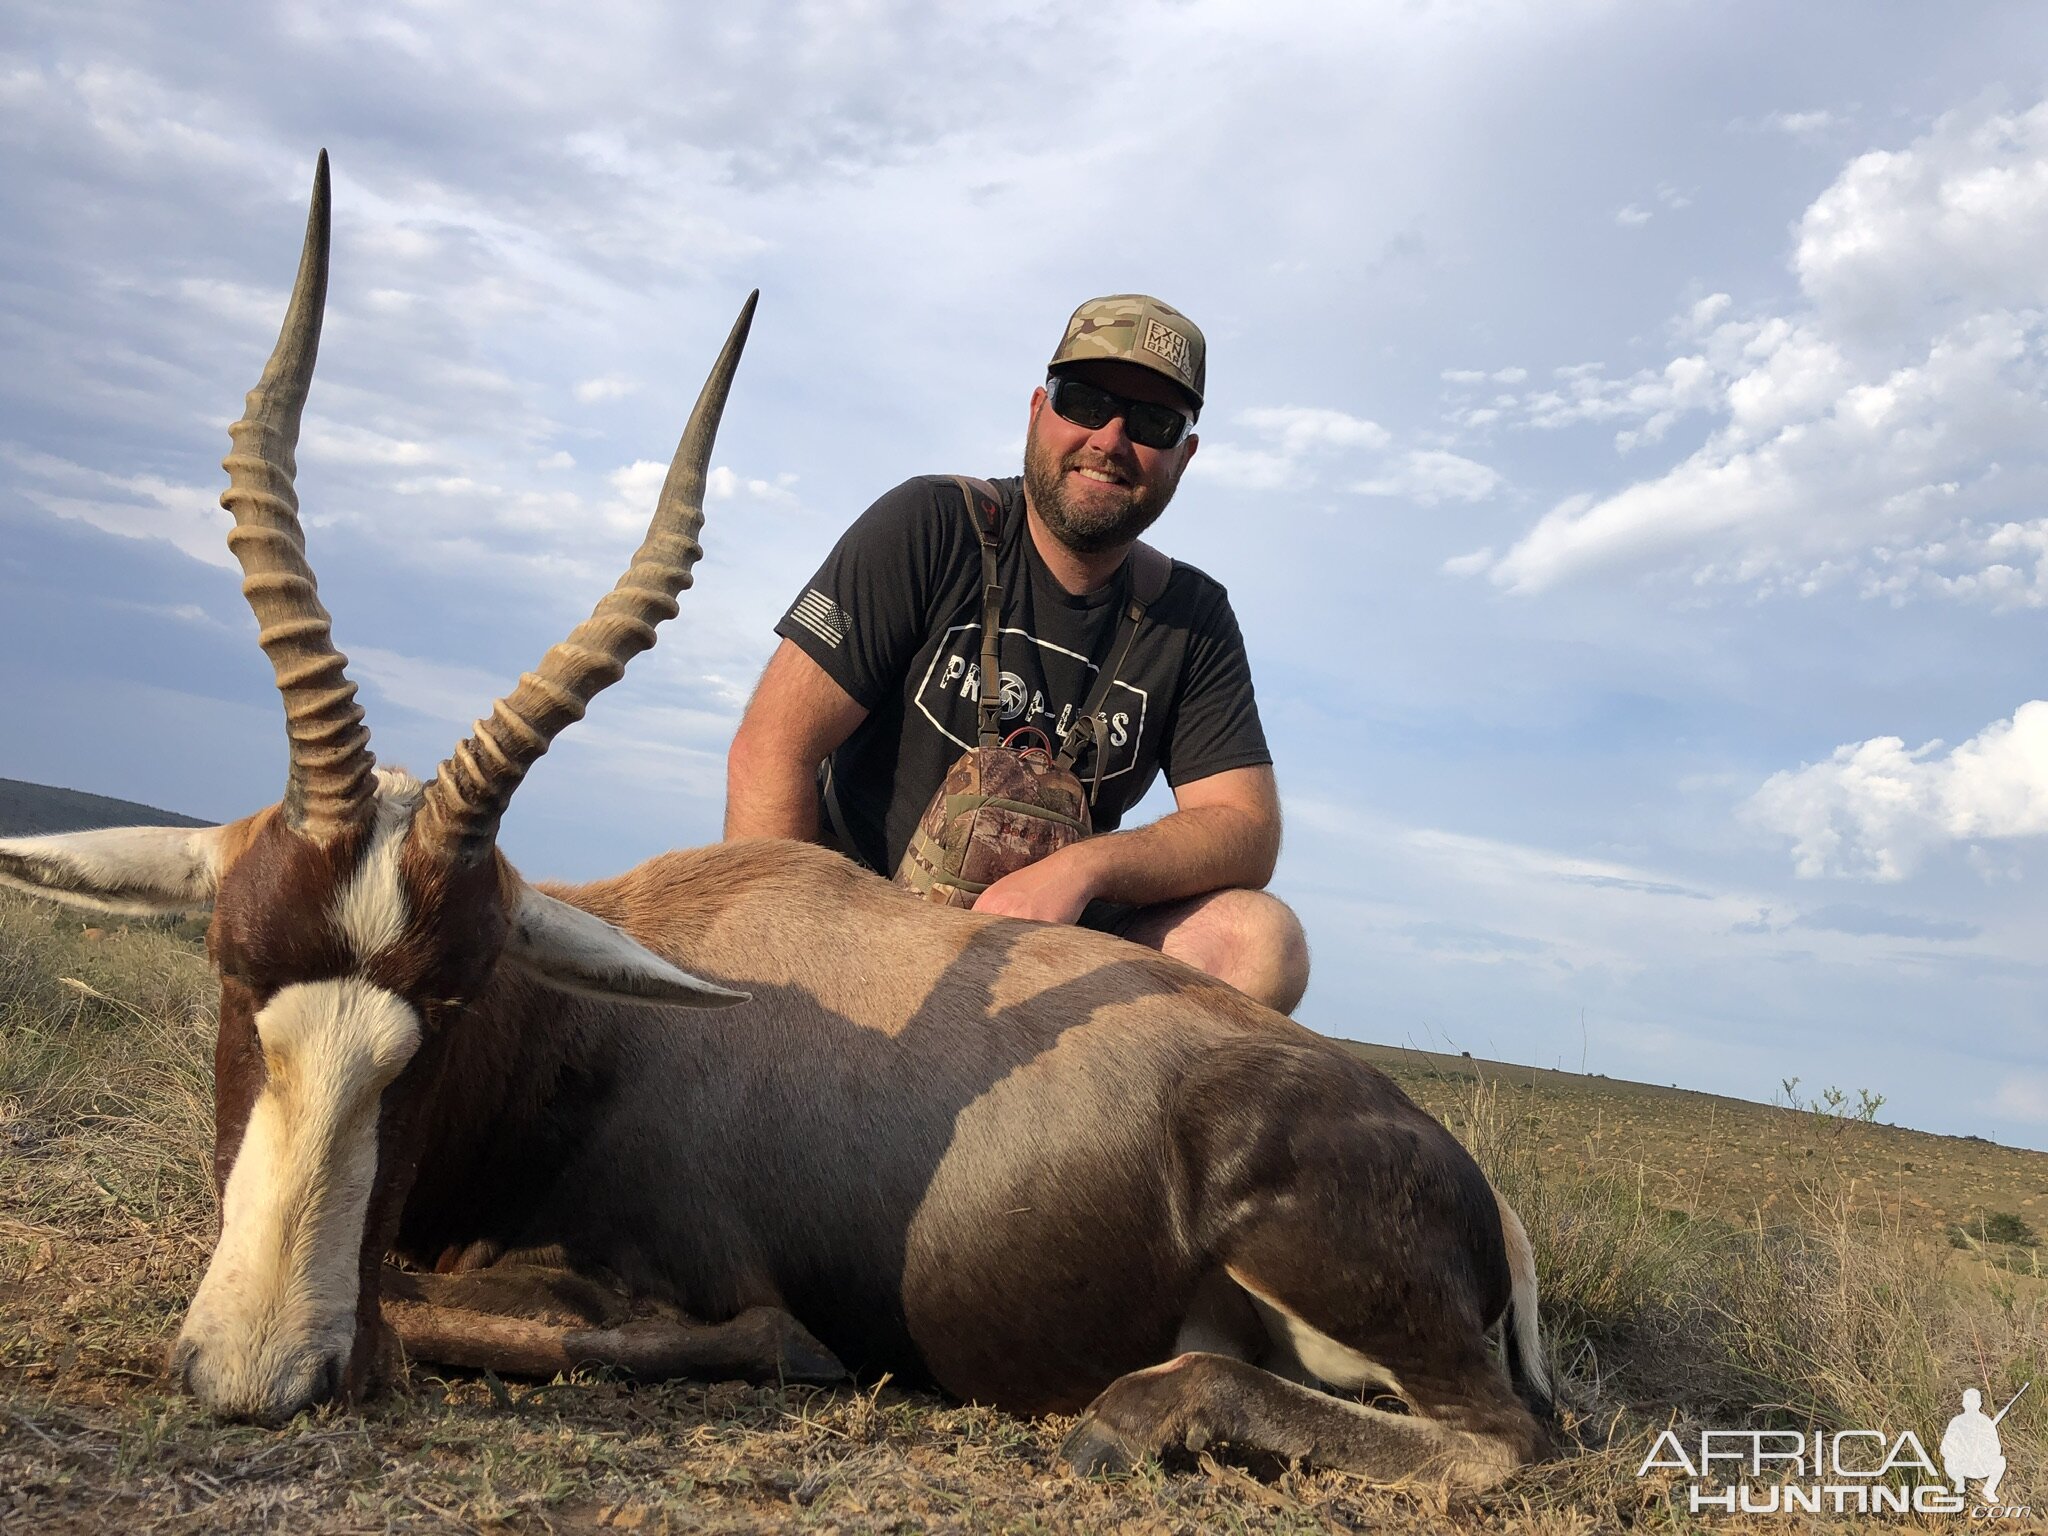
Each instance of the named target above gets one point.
<point>586,954</point>
<point>137,871</point>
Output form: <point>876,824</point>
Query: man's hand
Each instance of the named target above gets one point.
<point>1054,890</point>
<point>1224,831</point>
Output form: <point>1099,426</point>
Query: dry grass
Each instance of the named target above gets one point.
<point>1832,1308</point>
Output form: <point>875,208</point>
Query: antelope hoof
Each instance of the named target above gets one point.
<point>1093,1449</point>
<point>805,1360</point>
<point>1154,1413</point>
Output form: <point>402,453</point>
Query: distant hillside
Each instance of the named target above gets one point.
<point>27,809</point>
<point>1704,1154</point>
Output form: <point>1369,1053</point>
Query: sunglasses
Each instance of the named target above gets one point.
<point>1147,424</point>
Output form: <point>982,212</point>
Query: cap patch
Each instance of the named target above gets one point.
<point>1166,343</point>
<point>1136,328</point>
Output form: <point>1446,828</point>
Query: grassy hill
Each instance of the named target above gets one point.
<point>1703,1154</point>
<point>1705,1263</point>
<point>27,810</point>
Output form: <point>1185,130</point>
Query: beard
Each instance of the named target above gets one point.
<point>1110,516</point>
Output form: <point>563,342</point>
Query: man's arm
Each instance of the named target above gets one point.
<point>797,718</point>
<point>1225,831</point>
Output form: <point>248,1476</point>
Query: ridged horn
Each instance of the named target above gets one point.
<point>329,787</point>
<point>459,818</point>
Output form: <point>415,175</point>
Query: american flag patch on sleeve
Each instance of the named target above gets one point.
<point>821,616</point>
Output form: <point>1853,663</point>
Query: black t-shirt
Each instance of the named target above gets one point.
<point>894,615</point>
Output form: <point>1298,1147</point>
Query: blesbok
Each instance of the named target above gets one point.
<point>1030,1165</point>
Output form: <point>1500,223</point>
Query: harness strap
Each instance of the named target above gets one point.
<point>1150,571</point>
<point>985,510</point>
<point>835,818</point>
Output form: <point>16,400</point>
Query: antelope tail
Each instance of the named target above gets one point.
<point>1521,1330</point>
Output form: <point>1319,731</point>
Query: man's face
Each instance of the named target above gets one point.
<point>1096,490</point>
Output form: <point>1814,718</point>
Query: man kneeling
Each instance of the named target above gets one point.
<point>878,672</point>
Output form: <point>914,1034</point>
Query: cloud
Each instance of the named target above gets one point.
<point>1430,475</point>
<point>1514,903</point>
<point>1890,434</point>
<point>1635,215</point>
<point>1846,917</point>
<point>1290,440</point>
<point>1300,429</point>
<point>1470,943</point>
<point>1247,469</point>
<point>451,694</point>
<point>328,441</point>
<point>1640,886</point>
<point>188,517</point>
<point>1874,810</point>
<point>1955,222</point>
<point>723,484</point>
<point>610,387</point>
<point>638,735</point>
<point>182,613</point>
<point>1803,124</point>
<point>1469,565</point>
<point>2021,1096</point>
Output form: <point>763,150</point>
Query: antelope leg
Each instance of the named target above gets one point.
<point>760,1344</point>
<point>1198,1401</point>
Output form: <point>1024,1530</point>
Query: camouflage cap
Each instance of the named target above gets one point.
<point>1136,328</point>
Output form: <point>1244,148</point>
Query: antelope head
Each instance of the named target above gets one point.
<point>354,922</point>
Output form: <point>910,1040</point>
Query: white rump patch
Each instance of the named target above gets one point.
<point>277,1305</point>
<point>586,954</point>
<point>135,871</point>
<point>1310,1355</point>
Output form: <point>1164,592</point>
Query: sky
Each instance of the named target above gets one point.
<point>1626,445</point>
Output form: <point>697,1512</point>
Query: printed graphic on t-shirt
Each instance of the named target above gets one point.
<point>821,616</point>
<point>950,691</point>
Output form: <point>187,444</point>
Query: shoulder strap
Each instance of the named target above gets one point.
<point>985,511</point>
<point>1150,572</point>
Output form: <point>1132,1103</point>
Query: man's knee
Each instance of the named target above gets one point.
<point>1278,946</point>
<point>1248,938</point>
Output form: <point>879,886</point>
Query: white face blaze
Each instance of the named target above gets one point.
<point>272,1325</point>
<point>276,1309</point>
<point>273,1322</point>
